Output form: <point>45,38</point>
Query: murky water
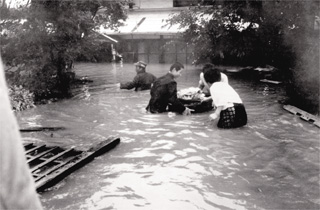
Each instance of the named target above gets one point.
<point>168,161</point>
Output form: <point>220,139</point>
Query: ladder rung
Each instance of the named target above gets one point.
<point>51,159</point>
<point>41,154</point>
<point>33,149</point>
<point>61,164</point>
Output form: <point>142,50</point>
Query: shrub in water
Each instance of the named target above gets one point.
<point>20,98</point>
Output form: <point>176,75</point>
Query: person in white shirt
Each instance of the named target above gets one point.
<point>229,107</point>
<point>203,84</point>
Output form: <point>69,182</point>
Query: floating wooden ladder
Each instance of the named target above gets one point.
<point>50,164</point>
<point>303,115</point>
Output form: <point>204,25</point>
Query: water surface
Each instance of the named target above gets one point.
<point>168,161</point>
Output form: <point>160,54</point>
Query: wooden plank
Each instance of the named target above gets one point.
<point>307,118</point>
<point>29,156</point>
<point>41,154</point>
<point>35,148</point>
<point>290,109</point>
<point>35,129</point>
<point>28,145</point>
<point>271,81</point>
<point>51,159</point>
<point>317,124</point>
<point>303,115</point>
<point>56,167</point>
<point>141,21</point>
<point>57,175</point>
<point>35,176</point>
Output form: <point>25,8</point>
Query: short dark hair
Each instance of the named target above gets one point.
<point>212,75</point>
<point>207,67</point>
<point>176,66</point>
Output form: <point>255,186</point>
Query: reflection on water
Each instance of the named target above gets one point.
<point>168,161</point>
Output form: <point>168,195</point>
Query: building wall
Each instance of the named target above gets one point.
<point>147,44</point>
<point>155,51</point>
<point>143,4</point>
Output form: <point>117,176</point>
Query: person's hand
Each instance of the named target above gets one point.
<point>203,99</point>
<point>213,116</point>
<point>187,111</point>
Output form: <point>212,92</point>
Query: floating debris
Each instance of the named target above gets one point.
<point>271,81</point>
<point>303,115</point>
<point>36,129</point>
<point>51,164</point>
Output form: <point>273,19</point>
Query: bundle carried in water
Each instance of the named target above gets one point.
<point>192,94</point>
<point>192,98</point>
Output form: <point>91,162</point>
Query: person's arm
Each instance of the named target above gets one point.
<point>216,114</point>
<point>175,104</point>
<point>17,189</point>
<point>130,85</point>
<point>224,78</point>
<point>201,85</point>
<point>206,99</point>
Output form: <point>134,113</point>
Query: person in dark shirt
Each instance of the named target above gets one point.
<point>142,81</point>
<point>164,93</point>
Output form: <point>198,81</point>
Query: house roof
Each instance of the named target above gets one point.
<point>145,22</point>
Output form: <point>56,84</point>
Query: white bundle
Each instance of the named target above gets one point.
<point>192,93</point>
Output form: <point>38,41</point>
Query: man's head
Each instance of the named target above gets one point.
<point>212,75</point>
<point>176,69</point>
<point>207,67</point>
<point>140,66</point>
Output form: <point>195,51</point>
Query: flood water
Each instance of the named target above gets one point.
<point>168,161</point>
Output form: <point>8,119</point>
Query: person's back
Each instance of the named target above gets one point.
<point>229,106</point>
<point>224,95</point>
<point>164,93</point>
<point>142,81</point>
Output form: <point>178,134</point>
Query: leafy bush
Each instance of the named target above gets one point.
<point>20,98</point>
<point>258,33</point>
<point>44,37</point>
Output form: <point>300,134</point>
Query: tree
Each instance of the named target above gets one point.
<point>215,30</point>
<point>44,36</point>
<point>298,25</point>
<point>260,32</point>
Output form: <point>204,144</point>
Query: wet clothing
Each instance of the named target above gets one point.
<point>164,96</point>
<point>224,95</point>
<point>142,81</point>
<point>233,117</point>
<point>233,113</point>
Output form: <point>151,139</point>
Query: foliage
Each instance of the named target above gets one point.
<point>95,51</point>
<point>46,35</point>
<point>259,33</point>
<point>20,98</point>
<point>296,22</point>
<point>244,32</point>
<point>217,29</point>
